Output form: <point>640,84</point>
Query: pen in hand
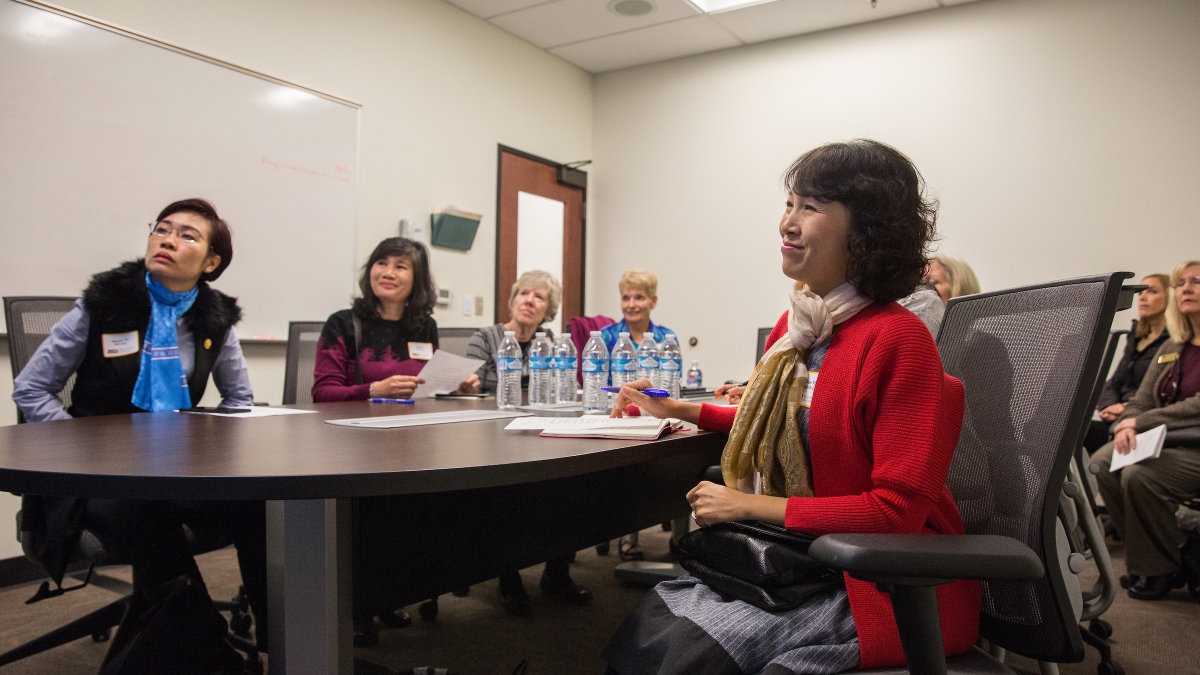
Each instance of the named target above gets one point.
<point>407,401</point>
<point>652,393</point>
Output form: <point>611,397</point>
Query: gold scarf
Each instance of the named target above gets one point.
<point>766,431</point>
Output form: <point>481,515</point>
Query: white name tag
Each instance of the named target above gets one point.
<point>116,345</point>
<point>810,388</point>
<point>420,350</point>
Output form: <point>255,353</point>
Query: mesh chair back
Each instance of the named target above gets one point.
<point>1028,358</point>
<point>301,357</point>
<point>455,340</point>
<point>28,321</point>
<point>763,334</point>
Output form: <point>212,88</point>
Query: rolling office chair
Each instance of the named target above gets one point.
<point>28,321</point>
<point>1028,358</point>
<point>301,355</point>
<point>761,345</point>
<point>455,340</point>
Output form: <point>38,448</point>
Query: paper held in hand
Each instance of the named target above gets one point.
<point>444,372</point>
<point>628,428</point>
<point>1148,444</point>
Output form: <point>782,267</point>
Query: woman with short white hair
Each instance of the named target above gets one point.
<point>951,276</point>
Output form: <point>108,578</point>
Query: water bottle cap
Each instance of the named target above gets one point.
<point>670,335</point>
<point>596,333</point>
<point>695,362</point>
<point>540,334</point>
<point>623,334</point>
<point>509,332</point>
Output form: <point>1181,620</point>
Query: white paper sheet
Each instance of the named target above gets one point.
<point>422,419</point>
<point>1149,444</point>
<point>444,372</point>
<point>256,411</point>
<point>570,406</point>
<point>595,422</point>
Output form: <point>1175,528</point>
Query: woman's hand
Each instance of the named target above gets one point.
<point>396,386</point>
<point>731,392</point>
<point>469,385</point>
<point>712,504</point>
<point>662,408</point>
<point>1125,436</point>
<point>1112,412</point>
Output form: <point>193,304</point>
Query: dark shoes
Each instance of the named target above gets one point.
<point>566,589</point>
<point>1128,580</point>
<point>514,600</point>
<point>1156,587</point>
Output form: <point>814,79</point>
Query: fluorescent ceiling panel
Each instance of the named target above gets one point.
<point>714,6</point>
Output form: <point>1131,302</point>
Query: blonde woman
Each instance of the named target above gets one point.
<point>951,276</point>
<point>1142,498</point>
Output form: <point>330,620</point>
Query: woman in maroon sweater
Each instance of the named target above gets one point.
<point>848,425</point>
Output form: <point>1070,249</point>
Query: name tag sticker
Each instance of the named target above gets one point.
<point>115,345</point>
<point>420,350</point>
<point>1167,358</point>
<point>810,388</point>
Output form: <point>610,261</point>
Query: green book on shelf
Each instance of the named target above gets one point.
<point>454,229</point>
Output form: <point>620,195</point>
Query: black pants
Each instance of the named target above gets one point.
<point>557,568</point>
<point>152,534</point>
<point>1097,435</point>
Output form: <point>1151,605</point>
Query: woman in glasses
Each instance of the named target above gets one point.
<point>145,337</point>
<point>1142,498</point>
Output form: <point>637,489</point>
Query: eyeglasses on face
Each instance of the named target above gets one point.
<point>165,228</point>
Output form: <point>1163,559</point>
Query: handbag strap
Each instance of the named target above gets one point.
<point>357,346</point>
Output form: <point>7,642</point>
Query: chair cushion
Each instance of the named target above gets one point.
<point>974,661</point>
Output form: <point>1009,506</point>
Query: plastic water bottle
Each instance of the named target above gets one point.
<point>647,359</point>
<point>564,369</point>
<point>670,363</point>
<point>695,379</point>
<point>595,375</point>
<point>541,377</point>
<point>622,364</point>
<point>508,372</point>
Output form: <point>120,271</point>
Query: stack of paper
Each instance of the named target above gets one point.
<point>630,428</point>
<point>1148,444</point>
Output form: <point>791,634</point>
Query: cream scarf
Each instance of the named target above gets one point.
<point>765,453</point>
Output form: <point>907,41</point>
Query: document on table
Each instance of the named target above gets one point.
<point>255,411</point>
<point>1149,444</point>
<point>596,427</point>
<point>423,419</point>
<point>444,372</point>
<point>566,406</point>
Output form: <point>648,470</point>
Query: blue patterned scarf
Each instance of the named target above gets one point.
<point>161,384</point>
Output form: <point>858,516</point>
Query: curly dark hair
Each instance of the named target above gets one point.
<point>419,305</point>
<point>892,224</point>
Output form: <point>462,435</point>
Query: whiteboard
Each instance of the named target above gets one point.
<point>100,129</point>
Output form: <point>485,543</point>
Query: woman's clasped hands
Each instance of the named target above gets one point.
<point>1125,436</point>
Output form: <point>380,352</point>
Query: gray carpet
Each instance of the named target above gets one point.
<point>474,636</point>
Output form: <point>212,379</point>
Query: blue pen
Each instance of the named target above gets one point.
<point>407,401</point>
<point>652,393</point>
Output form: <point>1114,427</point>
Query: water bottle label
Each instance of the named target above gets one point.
<point>564,362</point>
<point>539,363</point>
<point>624,366</point>
<point>672,364</point>
<point>648,363</point>
<point>693,381</point>
<point>508,364</point>
<point>595,365</point>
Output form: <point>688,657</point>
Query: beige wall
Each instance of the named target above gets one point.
<point>1062,138</point>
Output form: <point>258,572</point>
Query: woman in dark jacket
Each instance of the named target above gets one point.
<point>1146,335</point>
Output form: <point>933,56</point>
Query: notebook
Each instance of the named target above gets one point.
<point>628,428</point>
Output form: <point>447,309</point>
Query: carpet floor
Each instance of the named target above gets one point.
<point>475,636</point>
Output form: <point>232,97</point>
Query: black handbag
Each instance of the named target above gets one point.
<point>756,562</point>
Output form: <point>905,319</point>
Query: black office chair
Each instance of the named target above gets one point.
<point>1028,358</point>
<point>761,346</point>
<point>28,321</point>
<point>455,340</point>
<point>301,355</point>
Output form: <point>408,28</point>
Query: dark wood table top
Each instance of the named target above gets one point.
<point>182,456</point>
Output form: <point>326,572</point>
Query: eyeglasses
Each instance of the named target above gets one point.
<point>165,228</point>
<point>1184,281</point>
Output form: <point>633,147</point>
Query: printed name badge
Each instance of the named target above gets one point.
<point>810,388</point>
<point>116,345</point>
<point>420,350</point>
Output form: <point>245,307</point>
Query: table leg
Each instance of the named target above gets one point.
<point>308,587</point>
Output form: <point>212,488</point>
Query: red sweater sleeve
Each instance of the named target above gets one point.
<point>330,380</point>
<point>908,415</point>
<point>720,417</point>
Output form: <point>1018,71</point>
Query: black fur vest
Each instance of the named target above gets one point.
<point>117,301</point>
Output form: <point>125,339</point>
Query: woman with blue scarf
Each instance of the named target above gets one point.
<point>145,337</point>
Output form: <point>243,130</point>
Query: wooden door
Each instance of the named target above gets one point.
<point>529,197</point>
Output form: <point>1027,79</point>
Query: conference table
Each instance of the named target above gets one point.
<point>442,506</point>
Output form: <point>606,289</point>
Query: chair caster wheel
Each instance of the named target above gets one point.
<point>666,526</point>
<point>366,633</point>
<point>428,610</point>
<point>603,549</point>
<point>396,618</point>
<point>1110,668</point>
<point>102,635</point>
<point>240,624</point>
<point>1100,628</point>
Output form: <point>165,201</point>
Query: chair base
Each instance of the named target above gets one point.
<point>974,661</point>
<point>647,573</point>
<point>97,622</point>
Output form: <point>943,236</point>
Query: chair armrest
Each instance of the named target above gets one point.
<point>1183,438</point>
<point>895,558</point>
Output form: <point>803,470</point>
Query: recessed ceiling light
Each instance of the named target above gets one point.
<point>715,6</point>
<point>631,7</point>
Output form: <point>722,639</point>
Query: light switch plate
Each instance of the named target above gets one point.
<point>479,305</point>
<point>468,305</point>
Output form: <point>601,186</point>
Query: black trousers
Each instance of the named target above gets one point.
<point>152,534</point>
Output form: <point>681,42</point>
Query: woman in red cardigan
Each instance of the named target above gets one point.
<point>848,425</point>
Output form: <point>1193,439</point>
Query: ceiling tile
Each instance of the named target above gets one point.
<point>489,8</point>
<point>947,3</point>
<point>568,21</point>
<point>655,43</point>
<point>783,18</point>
